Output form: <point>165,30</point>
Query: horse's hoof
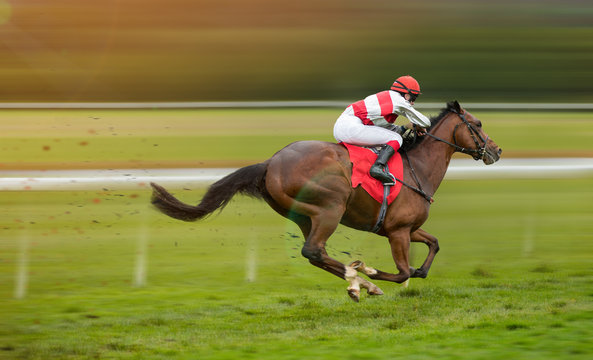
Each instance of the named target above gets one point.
<point>356,264</point>
<point>375,291</point>
<point>354,294</point>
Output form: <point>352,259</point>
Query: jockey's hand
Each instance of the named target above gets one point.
<point>408,135</point>
<point>409,138</point>
<point>420,131</point>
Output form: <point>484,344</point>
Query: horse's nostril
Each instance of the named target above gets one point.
<point>499,151</point>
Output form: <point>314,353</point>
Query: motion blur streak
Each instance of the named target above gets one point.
<point>22,272</point>
<point>186,50</point>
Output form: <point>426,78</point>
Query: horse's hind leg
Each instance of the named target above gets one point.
<point>317,231</point>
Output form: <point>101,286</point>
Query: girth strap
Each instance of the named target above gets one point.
<point>387,188</point>
<point>383,210</point>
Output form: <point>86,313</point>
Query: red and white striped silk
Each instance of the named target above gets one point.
<point>384,107</point>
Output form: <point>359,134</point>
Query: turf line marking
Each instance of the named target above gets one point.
<point>140,268</point>
<point>529,233</point>
<point>251,261</point>
<point>22,271</point>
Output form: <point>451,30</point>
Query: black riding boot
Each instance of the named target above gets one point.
<point>378,170</point>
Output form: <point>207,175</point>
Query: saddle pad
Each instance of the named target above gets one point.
<point>362,159</point>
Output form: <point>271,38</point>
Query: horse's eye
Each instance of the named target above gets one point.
<point>479,123</point>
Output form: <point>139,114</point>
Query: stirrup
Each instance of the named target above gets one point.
<point>383,176</point>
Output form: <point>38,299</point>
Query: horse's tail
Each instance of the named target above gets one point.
<point>248,181</point>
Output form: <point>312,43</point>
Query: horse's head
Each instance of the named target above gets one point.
<point>468,135</point>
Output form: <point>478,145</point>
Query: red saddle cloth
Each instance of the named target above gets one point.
<point>362,159</point>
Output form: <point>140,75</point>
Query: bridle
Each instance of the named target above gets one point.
<point>479,152</point>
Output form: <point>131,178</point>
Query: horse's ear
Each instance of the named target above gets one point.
<point>454,106</point>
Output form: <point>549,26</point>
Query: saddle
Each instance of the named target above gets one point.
<point>362,159</point>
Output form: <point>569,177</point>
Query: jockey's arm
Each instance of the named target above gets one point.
<point>404,108</point>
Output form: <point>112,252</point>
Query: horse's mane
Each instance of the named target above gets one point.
<point>452,106</point>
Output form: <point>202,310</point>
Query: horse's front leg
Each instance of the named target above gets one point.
<point>433,248</point>
<point>400,247</point>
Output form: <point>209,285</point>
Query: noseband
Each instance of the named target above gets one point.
<point>479,152</point>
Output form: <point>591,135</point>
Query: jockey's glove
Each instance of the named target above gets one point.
<point>396,128</point>
<point>408,135</point>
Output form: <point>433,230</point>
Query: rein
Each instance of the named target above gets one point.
<point>418,189</point>
<point>479,152</point>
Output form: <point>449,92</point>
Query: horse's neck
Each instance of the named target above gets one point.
<point>431,158</point>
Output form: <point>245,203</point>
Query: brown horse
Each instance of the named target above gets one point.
<point>309,183</point>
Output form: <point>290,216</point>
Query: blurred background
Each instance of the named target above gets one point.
<point>200,50</point>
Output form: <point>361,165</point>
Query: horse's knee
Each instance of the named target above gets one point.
<point>433,243</point>
<point>312,253</point>
<point>403,276</point>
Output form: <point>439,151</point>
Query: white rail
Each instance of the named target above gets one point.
<point>188,178</point>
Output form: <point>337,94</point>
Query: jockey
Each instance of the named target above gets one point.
<point>370,122</point>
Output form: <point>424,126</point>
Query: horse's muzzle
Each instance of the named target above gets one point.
<point>492,155</point>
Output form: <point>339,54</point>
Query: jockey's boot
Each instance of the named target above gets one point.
<point>378,170</point>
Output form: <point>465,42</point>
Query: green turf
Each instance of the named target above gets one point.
<point>211,138</point>
<point>513,280</point>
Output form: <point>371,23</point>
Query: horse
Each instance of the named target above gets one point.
<point>309,182</point>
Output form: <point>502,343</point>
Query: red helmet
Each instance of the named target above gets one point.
<point>406,85</point>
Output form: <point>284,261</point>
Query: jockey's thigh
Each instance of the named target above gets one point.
<point>351,130</point>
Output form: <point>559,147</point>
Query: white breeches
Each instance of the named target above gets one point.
<point>351,130</point>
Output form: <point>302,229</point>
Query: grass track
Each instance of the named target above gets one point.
<point>44,139</point>
<point>513,280</point>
